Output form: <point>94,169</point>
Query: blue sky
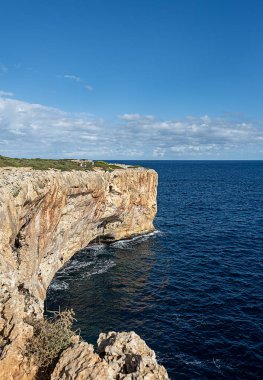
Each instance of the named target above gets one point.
<point>131,79</point>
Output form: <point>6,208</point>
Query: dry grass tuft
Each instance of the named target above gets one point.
<point>51,336</point>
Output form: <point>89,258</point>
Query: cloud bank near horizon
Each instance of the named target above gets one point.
<point>35,130</point>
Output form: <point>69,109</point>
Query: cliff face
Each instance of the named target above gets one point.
<point>45,217</point>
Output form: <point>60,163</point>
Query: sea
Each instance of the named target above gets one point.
<point>193,289</point>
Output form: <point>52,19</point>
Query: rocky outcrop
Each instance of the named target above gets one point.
<point>122,356</point>
<point>45,217</point>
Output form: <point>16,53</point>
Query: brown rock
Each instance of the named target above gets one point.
<point>81,363</point>
<point>122,356</point>
<point>130,357</point>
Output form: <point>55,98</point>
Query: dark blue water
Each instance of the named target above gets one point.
<point>194,290</point>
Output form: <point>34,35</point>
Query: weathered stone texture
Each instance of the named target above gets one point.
<point>122,356</point>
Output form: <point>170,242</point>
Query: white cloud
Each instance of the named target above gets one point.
<point>6,94</point>
<point>28,129</point>
<point>77,79</point>
<point>158,152</point>
<point>135,117</point>
<point>72,77</point>
<point>88,87</point>
<point>194,148</point>
<point>34,129</point>
<point>194,136</point>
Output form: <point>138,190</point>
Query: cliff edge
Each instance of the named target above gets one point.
<point>46,216</point>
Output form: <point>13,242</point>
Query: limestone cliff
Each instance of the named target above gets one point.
<point>45,217</point>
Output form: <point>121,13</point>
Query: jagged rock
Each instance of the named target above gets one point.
<point>45,217</point>
<point>81,363</point>
<point>122,356</point>
<point>130,357</point>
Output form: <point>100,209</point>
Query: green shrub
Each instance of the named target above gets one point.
<point>50,337</point>
<point>41,185</point>
<point>16,192</point>
<point>43,164</point>
<point>106,166</point>
<point>62,164</point>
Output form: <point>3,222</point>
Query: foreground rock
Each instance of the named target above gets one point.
<point>122,356</point>
<point>45,217</point>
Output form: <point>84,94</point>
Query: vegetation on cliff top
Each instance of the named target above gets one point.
<point>50,337</point>
<point>63,164</point>
<point>106,166</point>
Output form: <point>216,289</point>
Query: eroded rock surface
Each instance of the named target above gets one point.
<point>122,356</point>
<point>81,363</point>
<point>45,217</point>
